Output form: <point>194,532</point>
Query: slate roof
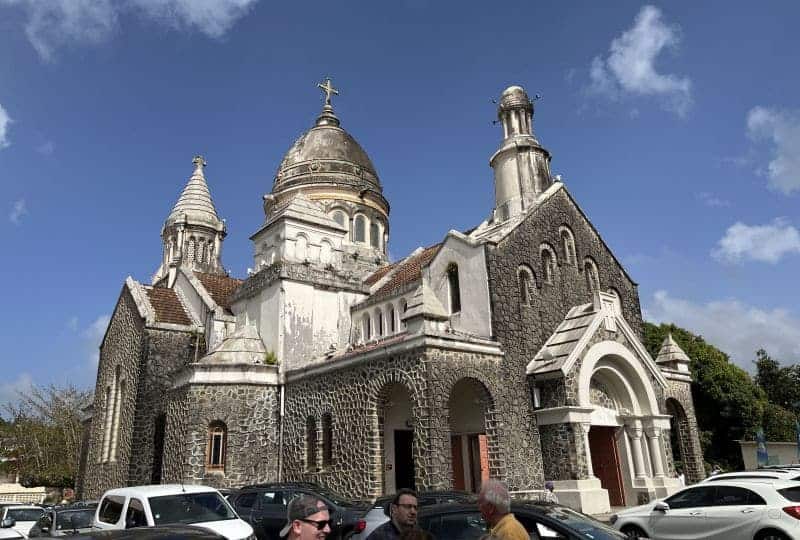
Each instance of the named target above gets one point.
<point>167,306</point>
<point>564,340</point>
<point>219,287</point>
<point>404,272</point>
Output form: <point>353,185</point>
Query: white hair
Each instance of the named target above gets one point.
<point>495,492</point>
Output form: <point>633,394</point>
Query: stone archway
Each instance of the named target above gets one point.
<point>469,404</point>
<point>395,443</point>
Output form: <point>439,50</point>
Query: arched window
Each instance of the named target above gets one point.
<point>548,264</point>
<point>339,217</point>
<point>453,288</point>
<point>592,276</point>
<point>311,444</point>
<point>375,235</point>
<point>327,440</point>
<point>366,327</point>
<point>121,387</point>
<point>391,319</point>
<point>217,446</point>
<point>360,229</point>
<point>301,248</point>
<point>379,323</point>
<point>526,284</point>
<point>568,244</point>
<point>325,250</point>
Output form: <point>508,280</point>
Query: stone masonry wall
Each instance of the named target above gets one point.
<point>250,414</point>
<point>563,452</point>
<point>123,349</point>
<point>166,352</point>
<point>355,398</point>
<point>688,433</point>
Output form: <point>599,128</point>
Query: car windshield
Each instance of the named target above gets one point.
<point>190,508</point>
<point>587,526</point>
<point>24,514</point>
<point>74,519</point>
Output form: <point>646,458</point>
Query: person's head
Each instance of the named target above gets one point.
<point>494,502</point>
<point>403,509</point>
<point>306,518</point>
<point>549,485</point>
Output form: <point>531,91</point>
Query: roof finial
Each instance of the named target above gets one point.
<point>328,90</point>
<point>199,163</point>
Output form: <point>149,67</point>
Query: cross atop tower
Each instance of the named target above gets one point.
<point>199,163</point>
<point>328,90</point>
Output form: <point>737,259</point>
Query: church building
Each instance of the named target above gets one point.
<point>512,350</point>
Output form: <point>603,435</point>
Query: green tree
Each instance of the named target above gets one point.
<point>729,405</point>
<point>43,434</point>
<point>780,383</point>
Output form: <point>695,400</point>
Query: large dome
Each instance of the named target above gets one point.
<point>326,154</point>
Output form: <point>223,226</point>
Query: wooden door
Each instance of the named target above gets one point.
<point>458,462</point>
<point>605,462</point>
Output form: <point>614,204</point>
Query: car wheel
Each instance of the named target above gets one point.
<point>632,531</point>
<point>771,535</point>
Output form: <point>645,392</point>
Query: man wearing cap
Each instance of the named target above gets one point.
<point>402,516</point>
<point>306,518</point>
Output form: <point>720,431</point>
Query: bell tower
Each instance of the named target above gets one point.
<point>521,165</point>
<point>193,232</point>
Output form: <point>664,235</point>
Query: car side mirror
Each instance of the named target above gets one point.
<point>8,522</point>
<point>661,506</point>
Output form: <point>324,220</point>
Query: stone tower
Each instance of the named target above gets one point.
<point>521,165</point>
<point>193,232</point>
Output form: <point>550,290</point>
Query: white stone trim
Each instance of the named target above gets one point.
<point>141,300</point>
<point>563,415</point>
<point>245,374</point>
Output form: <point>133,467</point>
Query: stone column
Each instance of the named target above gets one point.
<point>635,433</point>
<point>586,427</point>
<point>654,434</point>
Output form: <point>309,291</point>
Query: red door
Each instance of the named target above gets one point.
<point>605,462</point>
<point>458,462</point>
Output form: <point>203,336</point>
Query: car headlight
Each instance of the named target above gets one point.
<point>613,519</point>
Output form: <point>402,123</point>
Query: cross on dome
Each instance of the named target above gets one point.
<point>199,162</point>
<point>328,90</point>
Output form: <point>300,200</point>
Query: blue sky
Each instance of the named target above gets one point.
<point>676,126</point>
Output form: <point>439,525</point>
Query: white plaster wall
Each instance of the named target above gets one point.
<point>398,412</point>
<point>189,294</point>
<point>474,317</point>
<point>506,183</point>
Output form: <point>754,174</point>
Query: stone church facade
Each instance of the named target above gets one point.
<point>512,350</point>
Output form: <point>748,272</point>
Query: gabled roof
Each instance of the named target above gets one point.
<point>379,273</point>
<point>404,272</point>
<point>572,338</point>
<point>167,306</point>
<point>220,288</point>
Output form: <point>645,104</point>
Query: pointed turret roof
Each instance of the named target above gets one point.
<point>195,202</point>
<point>671,352</point>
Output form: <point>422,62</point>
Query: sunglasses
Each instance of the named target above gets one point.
<point>321,524</point>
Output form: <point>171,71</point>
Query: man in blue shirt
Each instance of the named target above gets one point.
<point>402,516</point>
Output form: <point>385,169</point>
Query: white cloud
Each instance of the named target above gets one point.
<point>211,17</point>
<point>93,335</point>
<point>18,209</point>
<point>5,121</point>
<point>764,243</point>
<point>782,128</point>
<point>630,68</point>
<point>9,391</point>
<point>732,326</point>
<point>53,24</point>
<point>712,200</point>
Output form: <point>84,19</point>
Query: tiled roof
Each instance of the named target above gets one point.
<point>407,271</point>
<point>378,274</point>
<point>219,287</point>
<point>167,306</point>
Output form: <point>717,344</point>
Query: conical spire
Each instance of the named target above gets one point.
<point>195,201</point>
<point>672,355</point>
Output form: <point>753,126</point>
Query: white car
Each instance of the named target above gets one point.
<point>146,506</point>
<point>7,532</point>
<point>24,516</point>
<point>728,510</point>
<point>759,475</point>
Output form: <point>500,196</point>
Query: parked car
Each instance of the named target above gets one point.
<point>759,475</point>
<point>542,521</point>
<point>64,521</point>
<point>24,516</point>
<point>161,532</point>
<point>379,513</point>
<point>145,506</point>
<point>7,532</point>
<point>264,507</point>
<point>729,510</point>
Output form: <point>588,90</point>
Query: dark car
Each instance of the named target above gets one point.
<point>161,532</point>
<point>542,521</point>
<point>379,512</point>
<point>264,507</point>
<point>64,521</point>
